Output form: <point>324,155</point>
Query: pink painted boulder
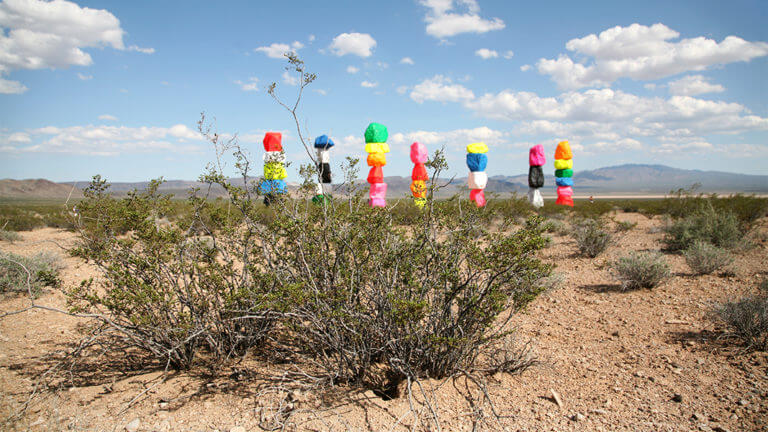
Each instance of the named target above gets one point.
<point>378,202</point>
<point>378,190</point>
<point>536,156</point>
<point>419,153</point>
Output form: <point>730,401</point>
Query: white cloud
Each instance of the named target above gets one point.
<point>441,89</point>
<point>525,67</point>
<point>444,21</point>
<point>486,53</point>
<point>290,78</point>
<point>509,54</point>
<point>311,38</point>
<point>352,69</point>
<point>643,53</point>
<point>278,50</point>
<point>36,34</point>
<point>321,92</point>
<point>407,60</point>
<point>402,89</point>
<point>368,84</point>
<point>359,44</point>
<point>107,117</point>
<point>252,84</point>
<point>104,140</point>
<point>454,139</point>
<point>11,87</point>
<point>141,50</point>
<point>84,77</point>
<point>650,86</point>
<point>693,85</point>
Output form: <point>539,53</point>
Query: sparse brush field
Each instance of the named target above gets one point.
<point>220,315</point>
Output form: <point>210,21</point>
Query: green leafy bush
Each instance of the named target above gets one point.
<point>704,224</point>
<point>704,258</point>
<point>641,270</point>
<point>590,238</point>
<point>40,270</point>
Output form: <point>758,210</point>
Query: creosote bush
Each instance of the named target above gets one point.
<point>353,292</point>
<point>590,238</point>
<point>705,224</point>
<point>704,258</point>
<point>43,271</point>
<point>9,236</point>
<point>641,270</point>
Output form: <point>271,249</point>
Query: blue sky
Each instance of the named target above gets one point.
<point>116,88</point>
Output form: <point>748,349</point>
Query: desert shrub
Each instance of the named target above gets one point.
<point>169,290</point>
<point>641,270</point>
<point>29,215</point>
<point>590,238</point>
<point>9,236</point>
<point>705,224</point>
<point>556,226</point>
<point>704,258</point>
<point>747,319</point>
<point>592,210</point>
<point>40,270</point>
<point>624,226</point>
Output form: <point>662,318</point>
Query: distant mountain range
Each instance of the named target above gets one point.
<point>632,179</point>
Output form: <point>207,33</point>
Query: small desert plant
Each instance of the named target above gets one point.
<point>641,270</point>
<point>9,236</point>
<point>704,258</point>
<point>706,223</point>
<point>624,226</point>
<point>747,319</point>
<point>39,270</point>
<point>556,226</point>
<point>590,238</point>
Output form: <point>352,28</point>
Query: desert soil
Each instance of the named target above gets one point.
<point>650,360</point>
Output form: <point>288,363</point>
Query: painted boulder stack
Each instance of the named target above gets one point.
<point>477,160</point>
<point>419,174</point>
<point>376,146</point>
<point>274,168</point>
<point>322,147</point>
<point>536,160</point>
<point>564,174</point>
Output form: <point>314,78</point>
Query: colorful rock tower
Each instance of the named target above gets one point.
<point>376,146</point>
<point>536,160</point>
<point>564,174</point>
<point>477,160</point>
<point>274,168</point>
<point>419,175</point>
<point>322,146</point>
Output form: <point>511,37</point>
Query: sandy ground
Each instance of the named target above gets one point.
<point>620,361</point>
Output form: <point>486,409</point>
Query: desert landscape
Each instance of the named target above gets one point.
<point>605,359</point>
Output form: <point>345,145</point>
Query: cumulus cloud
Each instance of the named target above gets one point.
<point>252,84</point>
<point>447,18</point>
<point>290,78</point>
<point>693,85</point>
<point>368,84</point>
<point>359,44</point>
<point>104,140</point>
<point>353,69</point>
<point>509,54</point>
<point>642,53</point>
<point>84,77</point>
<point>278,50</point>
<point>36,34</point>
<point>441,89</point>
<point>525,67</point>
<point>485,53</point>
<point>108,117</point>
<point>455,139</point>
<point>407,60</point>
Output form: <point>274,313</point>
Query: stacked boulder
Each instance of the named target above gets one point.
<point>274,168</point>
<point>477,160</point>
<point>322,146</point>
<point>536,160</point>
<point>376,146</point>
<point>419,175</point>
<point>564,174</point>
